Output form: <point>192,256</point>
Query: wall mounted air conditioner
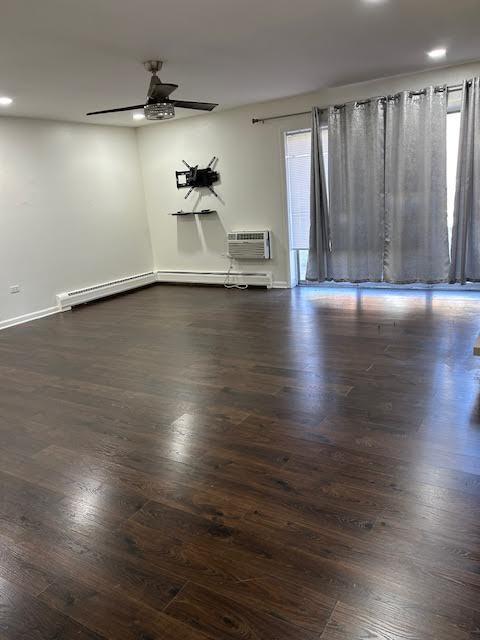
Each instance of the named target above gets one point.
<point>249,245</point>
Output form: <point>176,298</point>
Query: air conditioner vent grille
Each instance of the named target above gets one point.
<point>250,236</point>
<point>249,245</point>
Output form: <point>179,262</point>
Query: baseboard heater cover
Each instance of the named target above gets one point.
<point>254,278</point>
<point>69,299</point>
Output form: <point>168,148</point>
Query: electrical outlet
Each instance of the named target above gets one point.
<point>15,288</point>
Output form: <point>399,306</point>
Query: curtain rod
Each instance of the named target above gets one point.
<point>450,89</point>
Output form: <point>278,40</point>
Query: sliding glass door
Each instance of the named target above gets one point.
<point>297,163</point>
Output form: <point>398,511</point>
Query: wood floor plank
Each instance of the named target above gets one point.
<point>219,616</point>
<point>70,555</point>
<point>115,617</point>
<point>22,616</point>
<point>349,623</point>
<point>295,604</point>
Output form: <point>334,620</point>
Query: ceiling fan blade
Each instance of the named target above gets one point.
<point>96,113</point>
<point>199,106</point>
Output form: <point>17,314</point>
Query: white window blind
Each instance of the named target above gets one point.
<point>453,138</point>
<point>297,161</point>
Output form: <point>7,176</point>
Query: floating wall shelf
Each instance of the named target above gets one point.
<point>193,213</point>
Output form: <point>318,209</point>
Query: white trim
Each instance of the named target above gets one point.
<point>28,317</point>
<point>68,299</point>
<point>281,284</point>
<point>216,277</point>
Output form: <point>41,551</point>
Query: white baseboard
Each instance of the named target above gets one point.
<point>28,317</point>
<point>261,279</point>
<point>281,284</point>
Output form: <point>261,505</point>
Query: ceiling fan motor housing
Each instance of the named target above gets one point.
<point>153,66</point>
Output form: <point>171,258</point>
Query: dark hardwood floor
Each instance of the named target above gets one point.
<point>192,463</point>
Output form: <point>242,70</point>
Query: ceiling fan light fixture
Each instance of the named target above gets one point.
<point>437,54</point>
<point>159,111</point>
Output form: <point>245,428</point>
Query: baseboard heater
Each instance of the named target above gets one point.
<point>253,278</point>
<point>69,299</point>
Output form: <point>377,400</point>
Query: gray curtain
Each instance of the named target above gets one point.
<point>466,228</point>
<point>356,169</point>
<point>319,219</point>
<point>416,231</point>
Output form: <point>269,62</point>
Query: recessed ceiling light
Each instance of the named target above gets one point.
<point>436,54</point>
<point>5,101</point>
<point>138,116</point>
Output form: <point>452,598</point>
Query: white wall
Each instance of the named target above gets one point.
<point>72,210</point>
<point>251,166</point>
<point>251,188</point>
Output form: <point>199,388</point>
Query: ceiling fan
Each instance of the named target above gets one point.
<point>158,105</point>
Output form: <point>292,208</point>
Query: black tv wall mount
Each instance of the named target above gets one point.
<point>196,178</point>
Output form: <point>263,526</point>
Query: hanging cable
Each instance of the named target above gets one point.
<point>232,285</point>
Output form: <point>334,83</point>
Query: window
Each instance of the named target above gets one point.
<point>453,140</point>
<point>297,162</point>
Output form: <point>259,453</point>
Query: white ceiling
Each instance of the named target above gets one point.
<point>61,58</point>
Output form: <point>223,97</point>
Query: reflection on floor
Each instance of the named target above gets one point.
<point>192,463</point>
